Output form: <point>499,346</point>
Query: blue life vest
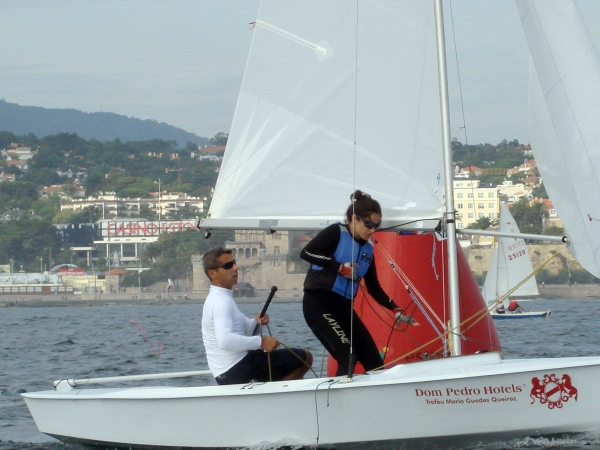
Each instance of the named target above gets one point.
<point>348,250</point>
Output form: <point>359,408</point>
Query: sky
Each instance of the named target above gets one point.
<point>182,61</point>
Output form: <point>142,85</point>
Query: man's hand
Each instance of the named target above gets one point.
<point>262,320</point>
<point>269,343</point>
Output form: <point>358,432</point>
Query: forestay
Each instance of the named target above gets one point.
<point>564,107</point>
<point>343,99</point>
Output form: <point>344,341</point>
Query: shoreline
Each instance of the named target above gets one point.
<point>552,292</point>
<point>32,301</point>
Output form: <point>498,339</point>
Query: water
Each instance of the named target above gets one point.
<point>39,345</point>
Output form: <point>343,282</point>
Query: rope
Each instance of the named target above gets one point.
<point>522,282</point>
<point>269,364</point>
<point>467,323</point>
<point>354,145</point>
<point>292,352</point>
<point>483,313</point>
<point>393,327</point>
<point>407,283</point>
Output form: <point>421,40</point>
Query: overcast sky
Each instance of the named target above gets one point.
<point>181,61</point>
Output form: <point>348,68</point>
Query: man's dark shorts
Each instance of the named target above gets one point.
<point>255,366</point>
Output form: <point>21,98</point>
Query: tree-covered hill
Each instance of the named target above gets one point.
<point>130,169</point>
<point>102,126</point>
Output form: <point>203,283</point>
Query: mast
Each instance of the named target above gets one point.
<point>448,176</point>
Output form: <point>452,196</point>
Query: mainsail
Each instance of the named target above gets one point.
<point>510,264</point>
<point>564,108</point>
<point>332,102</point>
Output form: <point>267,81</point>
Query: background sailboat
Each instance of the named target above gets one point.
<point>510,268</point>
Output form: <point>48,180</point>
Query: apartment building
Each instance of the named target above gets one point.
<point>473,202</point>
<point>163,204</point>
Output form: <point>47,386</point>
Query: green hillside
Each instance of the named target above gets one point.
<point>102,126</point>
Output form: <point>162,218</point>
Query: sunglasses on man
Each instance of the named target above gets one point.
<point>228,265</point>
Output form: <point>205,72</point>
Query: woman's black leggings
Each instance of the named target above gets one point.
<point>329,317</point>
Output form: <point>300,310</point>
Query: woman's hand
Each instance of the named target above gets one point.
<point>348,270</point>
<point>401,317</point>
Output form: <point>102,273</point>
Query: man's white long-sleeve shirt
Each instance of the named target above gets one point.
<point>226,332</point>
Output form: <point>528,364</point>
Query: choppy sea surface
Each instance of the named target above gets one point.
<point>39,345</point>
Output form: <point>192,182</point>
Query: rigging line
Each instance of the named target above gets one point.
<point>322,364</point>
<point>386,364</point>
<point>489,328</point>
<point>408,285</point>
<point>408,223</point>
<point>462,104</point>
<point>392,327</point>
<point>293,353</point>
<point>406,281</point>
<point>354,149</point>
<point>387,317</point>
<point>483,313</point>
<point>268,353</point>
<point>317,407</point>
<point>522,282</point>
<point>434,251</point>
<point>415,350</point>
<point>438,332</point>
<point>504,348</point>
<point>445,300</point>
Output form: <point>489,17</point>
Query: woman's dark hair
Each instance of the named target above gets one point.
<point>362,205</point>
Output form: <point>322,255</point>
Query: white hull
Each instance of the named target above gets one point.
<point>451,400</point>
<point>522,315</point>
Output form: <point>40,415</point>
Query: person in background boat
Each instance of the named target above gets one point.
<point>500,309</point>
<point>340,256</point>
<point>235,352</point>
<point>514,307</point>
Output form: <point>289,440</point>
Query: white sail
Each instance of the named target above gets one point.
<point>510,264</point>
<point>564,107</point>
<point>317,118</point>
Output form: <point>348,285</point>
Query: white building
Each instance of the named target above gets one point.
<point>473,202</point>
<point>163,204</point>
<point>123,240</point>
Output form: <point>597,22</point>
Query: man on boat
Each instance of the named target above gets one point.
<point>514,307</point>
<point>500,309</point>
<point>235,353</point>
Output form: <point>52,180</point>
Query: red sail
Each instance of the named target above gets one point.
<point>422,259</point>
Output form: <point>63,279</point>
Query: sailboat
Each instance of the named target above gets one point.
<point>509,265</point>
<point>328,104</point>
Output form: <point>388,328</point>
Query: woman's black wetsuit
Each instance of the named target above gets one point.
<point>328,314</point>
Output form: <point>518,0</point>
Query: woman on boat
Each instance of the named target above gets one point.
<point>340,256</point>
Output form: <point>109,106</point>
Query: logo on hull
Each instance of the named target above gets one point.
<point>553,391</point>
